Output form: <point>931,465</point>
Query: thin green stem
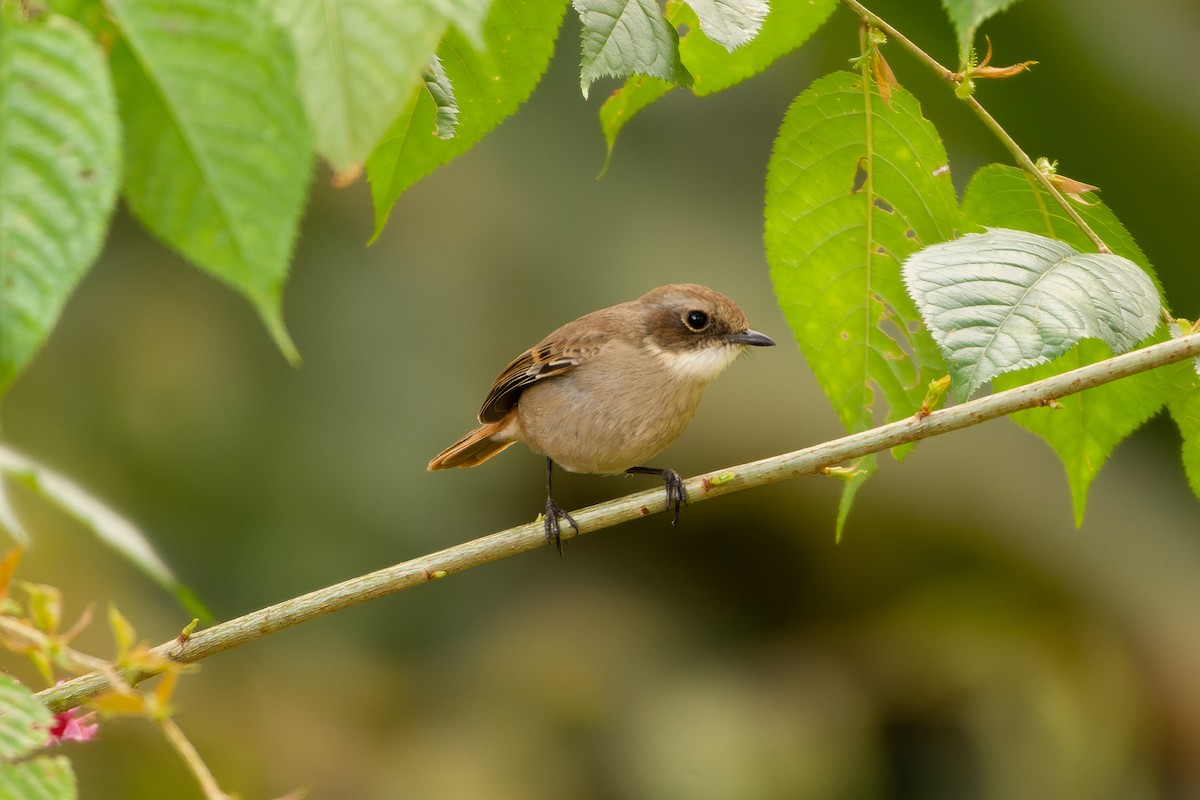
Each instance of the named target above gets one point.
<point>954,78</point>
<point>816,459</point>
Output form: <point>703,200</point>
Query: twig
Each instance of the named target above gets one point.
<point>1022,158</point>
<point>496,546</point>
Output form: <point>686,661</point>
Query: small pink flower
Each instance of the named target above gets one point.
<point>69,728</point>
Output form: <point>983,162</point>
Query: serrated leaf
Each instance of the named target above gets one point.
<point>44,778</point>
<point>490,84</point>
<point>1085,427</point>
<point>968,15</point>
<point>1005,300</point>
<point>358,63</point>
<point>627,37</point>
<point>442,91</point>
<point>108,526</point>
<point>217,149</point>
<point>60,164</point>
<point>730,23</point>
<point>24,722</point>
<point>853,186</point>
<point>789,24</point>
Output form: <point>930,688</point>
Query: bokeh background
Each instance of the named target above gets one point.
<point>964,640</point>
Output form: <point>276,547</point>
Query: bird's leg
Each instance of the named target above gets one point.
<point>676,493</point>
<point>553,512</point>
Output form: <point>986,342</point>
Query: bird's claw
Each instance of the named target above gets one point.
<point>550,521</point>
<point>676,493</point>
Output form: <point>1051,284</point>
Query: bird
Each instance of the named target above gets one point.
<point>609,391</point>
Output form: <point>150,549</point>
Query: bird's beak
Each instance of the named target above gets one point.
<point>753,338</point>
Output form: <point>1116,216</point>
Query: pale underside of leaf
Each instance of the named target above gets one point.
<point>627,37</point>
<point>730,23</point>
<point>1005,300</point>
<point>442,91</point>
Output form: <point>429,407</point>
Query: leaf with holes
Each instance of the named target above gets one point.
<point>627,37</point>
<point>1005,300</point>
<point>1083,428</point>
<point>854,185</point>
<point>489,85</point>
<point>217,150</point>
<point>60,165</point>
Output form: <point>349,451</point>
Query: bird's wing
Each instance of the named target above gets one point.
<point>552,356</point>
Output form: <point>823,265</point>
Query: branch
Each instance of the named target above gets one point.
<point>810,460</point>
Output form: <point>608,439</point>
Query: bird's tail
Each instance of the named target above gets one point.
<point>474,448</point>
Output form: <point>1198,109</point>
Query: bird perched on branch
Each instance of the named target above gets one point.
<point>610,390</point>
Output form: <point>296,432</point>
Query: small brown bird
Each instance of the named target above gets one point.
<point>609,391</point>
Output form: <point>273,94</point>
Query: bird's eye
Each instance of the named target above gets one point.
<point>697,320</point>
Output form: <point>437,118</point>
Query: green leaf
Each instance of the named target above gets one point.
<point>358,63</point>
<point>1005,300</point>
<point>1184,406</point>
<point>967,16</point>
<point>624,104</point>
<point>627,37</point>
<point>217,150</point>
<point>730,23</point>
<point>489,85</point>
<point>108,526</point>
<point>863,470</point>
<point>45,778</point>
<point>853,186</point>
<point>24,722</point>
<point>789,24</point>
<point>1085,428</point>
<point>60,169</point>
<point>24,730</point>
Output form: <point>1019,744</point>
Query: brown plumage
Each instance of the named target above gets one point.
<point>609,391</point>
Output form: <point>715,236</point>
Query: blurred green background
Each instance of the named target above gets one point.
<point>963,641</point>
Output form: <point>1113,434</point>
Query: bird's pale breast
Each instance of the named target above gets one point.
<point>609,414</point>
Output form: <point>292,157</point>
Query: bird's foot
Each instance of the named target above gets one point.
<point>676,493</point>
<point>550,521</point>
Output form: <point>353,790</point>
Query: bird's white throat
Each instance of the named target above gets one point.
<point>700,364</point>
